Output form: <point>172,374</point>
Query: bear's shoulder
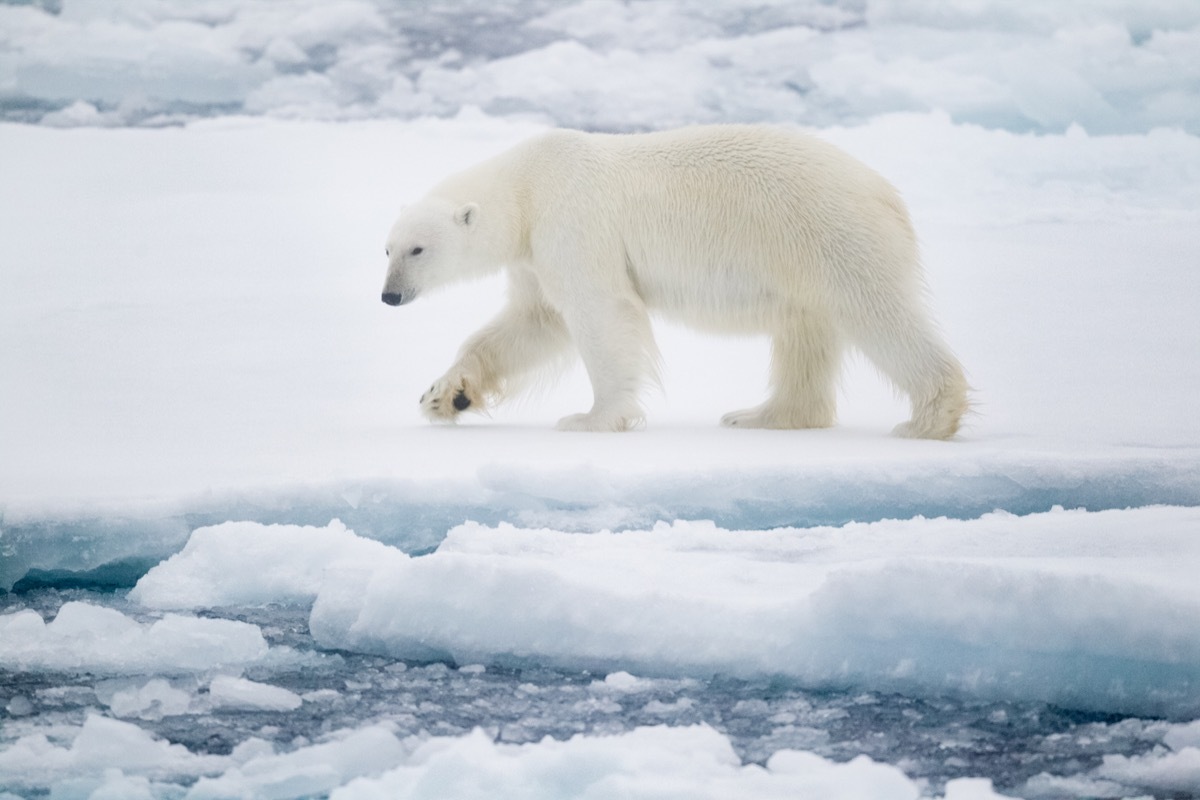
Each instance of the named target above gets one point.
<point>561,140</point>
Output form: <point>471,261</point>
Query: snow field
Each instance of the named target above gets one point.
<point>199,372</point>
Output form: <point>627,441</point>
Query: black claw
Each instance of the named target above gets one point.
<point>461,401</point>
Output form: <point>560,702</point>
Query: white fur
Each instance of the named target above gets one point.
<point>741,229</point>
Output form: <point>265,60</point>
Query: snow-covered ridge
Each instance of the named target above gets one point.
<point>113,546</point>
<point>1094,610</point>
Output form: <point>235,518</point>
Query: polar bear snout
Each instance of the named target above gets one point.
<point>393,298</point>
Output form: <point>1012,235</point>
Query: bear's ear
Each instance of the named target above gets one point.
<point>467,214</point>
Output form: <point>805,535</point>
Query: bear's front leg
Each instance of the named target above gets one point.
<point>525,336</point>
<point>616,343</point>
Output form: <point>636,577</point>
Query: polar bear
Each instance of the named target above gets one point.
<point>741,229</point>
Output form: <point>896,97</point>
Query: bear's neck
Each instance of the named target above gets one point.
<point>497,186</point>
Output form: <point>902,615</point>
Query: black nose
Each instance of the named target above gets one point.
<point>392,298</point>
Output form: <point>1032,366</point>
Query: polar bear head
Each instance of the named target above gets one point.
<point>433,243</point>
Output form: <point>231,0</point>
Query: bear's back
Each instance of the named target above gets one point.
<point>749,173</point>
<point>720,224</point>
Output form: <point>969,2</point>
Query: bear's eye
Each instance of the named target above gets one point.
<point>416,251</point>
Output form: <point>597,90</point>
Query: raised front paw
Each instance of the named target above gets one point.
<point>449,396</point>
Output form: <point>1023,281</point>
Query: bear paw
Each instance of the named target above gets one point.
<point>767,416</point>
<point>746,418</point>
<point>447,397</point>
<point>592,421</point>
<point>915,430</point>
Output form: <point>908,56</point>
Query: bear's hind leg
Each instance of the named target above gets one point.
<point>906,346</point>
<point>805,360</point>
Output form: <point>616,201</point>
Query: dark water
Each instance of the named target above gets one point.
<point>49,561</point>
<point>932,740</point>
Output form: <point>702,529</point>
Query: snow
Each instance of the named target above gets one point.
<point>650,762</point>
<point>235,562</point>
<point>1183,736</point>
<point>1177,772</point>
<point>240,563</point>
<point>1109,66</point>
<point>660,762</point>
<point>202,398</point>
<point>153,699</point>
<point>1087,610</point>
<point>89,638</point>
<point>307,771</point>
<point>103,751</point>
<point>99,753</point>
<point>226,691</point>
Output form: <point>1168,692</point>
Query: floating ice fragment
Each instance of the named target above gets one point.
<point>693,762</point>
<point>661,709</point>
<point>226,691</point>
<point>247,563</point>
<point>85,637</point>
<point>152,700</point>
<point>1175,773</point>
<point>1181,736</point>
<point>1067,608</point>
<point>321,696</point>
<point>312,770</point>
<point>100,745</point>
<point>971,789</point>
<point>119,786</point>
<point>622,681</point>
<point>19,706</point>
